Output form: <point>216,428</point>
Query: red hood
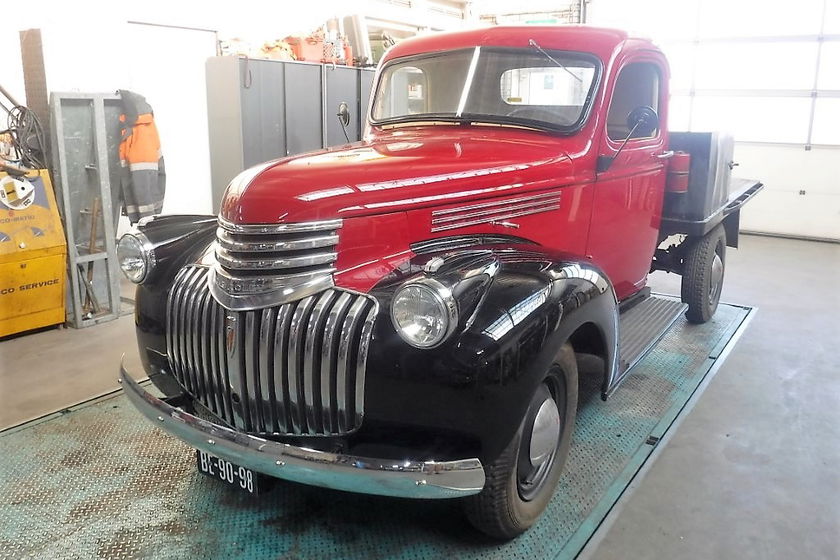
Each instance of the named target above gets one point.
<point>401,170</point>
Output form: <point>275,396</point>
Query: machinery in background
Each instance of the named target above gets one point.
<point>33,253</point>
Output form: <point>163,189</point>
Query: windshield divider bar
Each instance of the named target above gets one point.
<point>466,91</point>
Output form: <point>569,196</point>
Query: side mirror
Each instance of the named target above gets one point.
<point>642,121</point>
<point>343,114</point>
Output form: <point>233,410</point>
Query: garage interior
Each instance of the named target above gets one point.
<point>740,460</point>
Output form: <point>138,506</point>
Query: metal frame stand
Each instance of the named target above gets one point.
<point>85,164</point>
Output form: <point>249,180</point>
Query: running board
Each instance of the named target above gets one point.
<point>642,326</point>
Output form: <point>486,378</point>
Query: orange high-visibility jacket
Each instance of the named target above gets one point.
<point>143,177</point>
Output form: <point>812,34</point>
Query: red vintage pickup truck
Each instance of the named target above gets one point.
<point>404,315</point>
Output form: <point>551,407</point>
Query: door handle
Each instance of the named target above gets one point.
<point>665,155</point>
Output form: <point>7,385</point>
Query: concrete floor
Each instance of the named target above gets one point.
<point>750,473</point>
<point>51,370</point>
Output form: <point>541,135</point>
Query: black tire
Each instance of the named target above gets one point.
<point>500,510</point>
<point>702,279</point>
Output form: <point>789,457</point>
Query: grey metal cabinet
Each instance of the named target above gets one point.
<point>264,109</point>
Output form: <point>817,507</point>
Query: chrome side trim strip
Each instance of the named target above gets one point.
<point>405,478</point>
<point>495,218</point>
<point>506,208</point>
<point>501,203</point>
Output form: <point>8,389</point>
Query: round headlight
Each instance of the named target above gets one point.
<point>135,256</point>
<point>424,313</point>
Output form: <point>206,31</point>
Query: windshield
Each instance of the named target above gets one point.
<point>531,87</point>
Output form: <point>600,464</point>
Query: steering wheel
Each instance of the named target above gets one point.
<point>532,113</point>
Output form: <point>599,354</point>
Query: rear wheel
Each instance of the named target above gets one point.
<point>702,279</point>
<point>521,482</point>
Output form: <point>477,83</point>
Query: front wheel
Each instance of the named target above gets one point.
<point>702,279</point>
<point>521,482</point>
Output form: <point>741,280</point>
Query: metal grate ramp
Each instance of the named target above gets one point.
<point>101,482</point>
<point>643,325</point>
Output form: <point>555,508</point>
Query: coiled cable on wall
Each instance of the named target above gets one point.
<point>28,138</point>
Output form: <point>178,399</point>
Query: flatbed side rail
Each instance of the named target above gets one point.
<point>744,191</point>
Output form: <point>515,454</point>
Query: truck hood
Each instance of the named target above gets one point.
<point>400,170</point>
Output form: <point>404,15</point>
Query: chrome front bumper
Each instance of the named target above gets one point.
<point>406,478</point>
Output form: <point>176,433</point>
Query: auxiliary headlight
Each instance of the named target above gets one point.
<point>135,255</point>
<point>424,313</point>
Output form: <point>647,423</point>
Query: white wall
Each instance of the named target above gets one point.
<point>750,67</point>
<point>90,47</point>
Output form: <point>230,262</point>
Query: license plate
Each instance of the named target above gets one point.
<point>229,473</point>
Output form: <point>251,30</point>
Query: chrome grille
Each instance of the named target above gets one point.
<point>259,265</point>
<point>291,369</point>
<point>494,211</point>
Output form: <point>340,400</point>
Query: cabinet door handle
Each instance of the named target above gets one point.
<point>665,155</point>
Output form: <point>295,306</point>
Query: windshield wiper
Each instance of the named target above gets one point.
<point>555,61</point>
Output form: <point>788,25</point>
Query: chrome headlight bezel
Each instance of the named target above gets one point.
<point>446,304</point>
<point>145,250</point>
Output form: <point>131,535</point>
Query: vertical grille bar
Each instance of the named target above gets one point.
<point>266,369</point>
<point>171,325</point>
<point>345,363</point>
<point>281,369</point>
<point>177,321</point>
<point>332,332</point>
<point>187,309</point>
<point>224,378</point>
<point>361,365</point>
<point>251,372</point>
<point>197,335</point>
<point>297,332</point>
<point>233,355</point>
<point>312,355</point>
<point>205,370</point>
<point>295,369</point>
<point>215,372</point>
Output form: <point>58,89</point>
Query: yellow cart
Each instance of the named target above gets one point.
<point>33,254</point>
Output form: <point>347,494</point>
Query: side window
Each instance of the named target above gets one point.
<point>637,86</point>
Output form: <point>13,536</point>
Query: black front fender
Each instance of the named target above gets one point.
<point>176,241</point>
<point>477,385</point>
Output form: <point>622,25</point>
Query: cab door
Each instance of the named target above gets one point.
<point>627,204</point>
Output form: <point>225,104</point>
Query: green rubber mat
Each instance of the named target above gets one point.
<point>99,481</point>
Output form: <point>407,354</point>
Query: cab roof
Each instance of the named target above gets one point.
<point>600,41</point>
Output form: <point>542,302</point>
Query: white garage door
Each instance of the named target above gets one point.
<point>768,73</point>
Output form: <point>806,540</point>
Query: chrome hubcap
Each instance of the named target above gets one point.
<point>540,443</point>
<point>716,282</point>
<point>545,434</point>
